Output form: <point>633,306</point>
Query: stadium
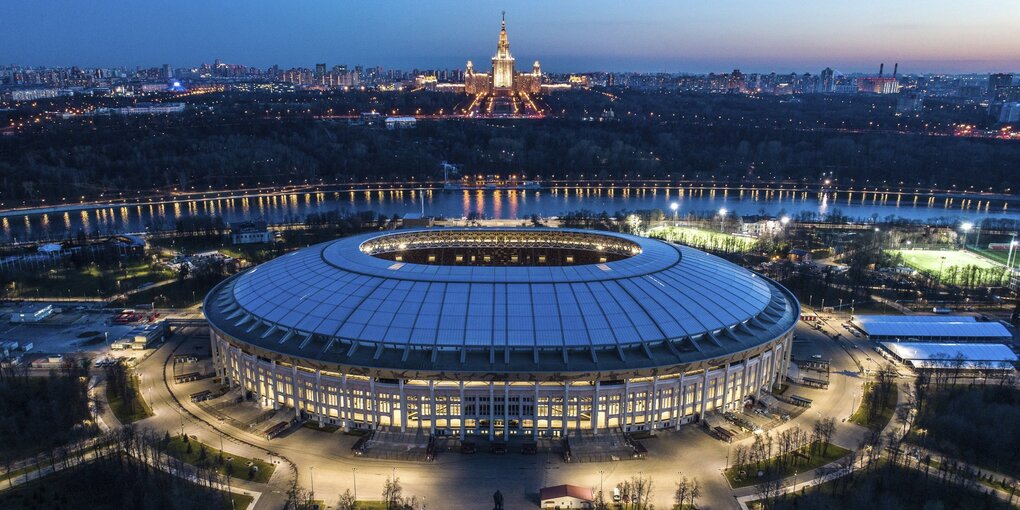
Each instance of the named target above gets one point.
<point>500,332</point>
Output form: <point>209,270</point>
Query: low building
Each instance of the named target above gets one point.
<point>401,122</point>
<point>761,227</point>
<point>142,337</point>
<point>952,356</point>
<point>798,255</point>
<point>33,312</point>
<point>930,328</point>
<point>249,232</point>
<point>416,220</point>
<point>566,496</point>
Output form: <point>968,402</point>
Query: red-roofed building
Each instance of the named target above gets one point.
<point>566,496</point>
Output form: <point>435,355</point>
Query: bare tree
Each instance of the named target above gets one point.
<point>346,501</point>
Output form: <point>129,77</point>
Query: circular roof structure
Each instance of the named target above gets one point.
<point>499,292</point>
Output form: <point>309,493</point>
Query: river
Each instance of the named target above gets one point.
<point>289,207</point>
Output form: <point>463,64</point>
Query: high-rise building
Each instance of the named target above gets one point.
<point>503,62</point>
<point>827,80</point>
<point>1010,113</point>
<point>997,81</point>
<point>167,72</point>
<point>503,76</point>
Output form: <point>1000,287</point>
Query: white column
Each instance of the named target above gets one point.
<point>462,410</point>
<point>276,398</point>
<point>432,408</point>
<point>534,419</point>
<point>242,372</point>
<point>506,410</point>
<point>681,398</point>
<point>653,409</point>
<point>566,407</point>
<point>759,381</point>
<point>624,405</point>
<point>257,370</point>
<point>295,384</point>
<point>403,406</point>
<point>320,397</point>
<point>704,393</point>
<point>743,378</point>
<point>373,402</point>
<point>725,386</point>
<point>595,406</point>
<point>345,403</point>
<point>492,409</point>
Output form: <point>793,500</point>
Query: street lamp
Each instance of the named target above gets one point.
<point>966,227</point>
<point>1013,243</point>
<point>722,218</point>
<point>355,472</point>
<point>674,206</point>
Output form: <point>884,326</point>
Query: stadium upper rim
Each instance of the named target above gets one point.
<point>338,302</point>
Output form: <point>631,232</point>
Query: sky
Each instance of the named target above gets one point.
<point>565,35</point>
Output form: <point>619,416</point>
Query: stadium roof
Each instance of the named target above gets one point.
<point>334,293</point>
<point>930,326</point>
<point>975,355</point>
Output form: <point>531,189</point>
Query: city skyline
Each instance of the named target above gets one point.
<point>567,36</point>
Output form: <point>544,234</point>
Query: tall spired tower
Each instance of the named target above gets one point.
<point>503,62</point>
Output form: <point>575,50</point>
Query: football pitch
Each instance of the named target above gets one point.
<point>706,239</point>
<point>932,260</point>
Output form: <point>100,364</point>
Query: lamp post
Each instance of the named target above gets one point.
<point>355,474</point>
<point>722,219</point>
<point>1013,243</point>
<point>602,479</point>
<point>674,207</point>
<point>966,227</point>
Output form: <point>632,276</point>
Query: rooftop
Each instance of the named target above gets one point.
<point>343,296</point>
<point>930,354</point>
<point>930,326</point>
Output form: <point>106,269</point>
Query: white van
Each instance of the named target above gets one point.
<point>616,495</point>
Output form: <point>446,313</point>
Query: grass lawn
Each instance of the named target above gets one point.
<point>371,505</point>
<point>700,238</point>
<point>880,420</point>
<point>801,465</point>
<point>78,488</point>
<point>996,255</point>
<point>128,414</point>
<point>930,260</point>
<point>236,467</point>
<point>85,282</point>
<point>240,501</point>
<point>955,265</point>
<point>179,294</point>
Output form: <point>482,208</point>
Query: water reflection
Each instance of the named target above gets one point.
<point>509,204</point>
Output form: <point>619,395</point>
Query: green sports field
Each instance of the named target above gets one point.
<point>930,260</point>
<point>996,255</point>
<point>705,239</point>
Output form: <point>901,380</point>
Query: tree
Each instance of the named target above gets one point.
<point>392,493</point>
<point>681,492</point>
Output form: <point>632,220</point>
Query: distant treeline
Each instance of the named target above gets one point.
<point>244,141</point>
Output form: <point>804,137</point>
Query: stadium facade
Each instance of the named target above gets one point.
<point>501,332</point>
